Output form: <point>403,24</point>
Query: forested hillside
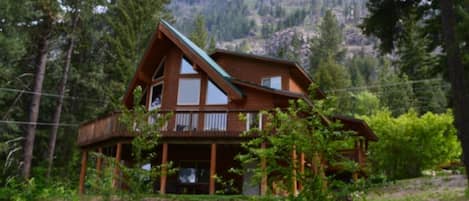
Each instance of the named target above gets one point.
<point>267,26</point>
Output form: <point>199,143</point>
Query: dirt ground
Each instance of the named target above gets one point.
<point>447,188</point>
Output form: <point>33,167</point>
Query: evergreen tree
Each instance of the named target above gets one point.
<point>131,24</point>
<point>363,69</point>
<point>418,63</point>
<point>199,35</point>
<point>394,92</point>
<point>328,44</point>
<point>331,75</point>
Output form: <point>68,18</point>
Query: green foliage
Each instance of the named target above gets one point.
<point>410,143</point>
<point>147,126</point>
<point>328,45</point>
<point>363,69</point>
<point>288,131</point>
<point>364,103</point>
<point>395,93</point>
<point>32,190</point>
<point>331,75</point>
<point>199,36</point>
<point>230,21</point>
<point>131,25</point>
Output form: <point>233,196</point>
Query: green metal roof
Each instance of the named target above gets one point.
<point>202,54</point>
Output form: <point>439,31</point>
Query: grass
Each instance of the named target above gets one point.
<point>439,188</point>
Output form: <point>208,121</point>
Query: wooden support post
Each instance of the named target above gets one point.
<point>99,162</point>
<point>264,173</point>
<point>116,178</point>
<point>315,164</point>
<point>213,163</point>
<point>355,176</point>
<point>84,160</point>
<point>366,145</point>
<point>294,166</point>
<point>164,168</point>
<point>302,169</point>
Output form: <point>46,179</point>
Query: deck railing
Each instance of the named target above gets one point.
<point>181,124</point>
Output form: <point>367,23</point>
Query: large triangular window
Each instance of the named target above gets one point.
<point>159,72</point>
<point>187,67</point>
<point>215,96</point>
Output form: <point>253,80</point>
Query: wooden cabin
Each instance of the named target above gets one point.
<point>206,94</point>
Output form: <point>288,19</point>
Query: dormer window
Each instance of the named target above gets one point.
<point>272,82</point>
<point>187,67</point>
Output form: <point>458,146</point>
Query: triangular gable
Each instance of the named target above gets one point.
<point>202,60</point>
<point>190,50</point>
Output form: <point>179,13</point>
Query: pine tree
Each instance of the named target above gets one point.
<point>394,92</point>
<point>329,43</point>
<point>131,24</point>
<point>331,76</point>
<point>418,64</point>
<point>199,35</point>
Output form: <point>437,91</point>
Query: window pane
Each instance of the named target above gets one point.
<point>215,95</point>
<point>159,71</point>
<point>215,121</point>
<point>186,67</point>
<point>189,91</point>
<point>186,122</point>
<point>272,82</point>
<point>156,91</point>
<point>266,82</point>
<point>252,121</point>
<point>276,82</point>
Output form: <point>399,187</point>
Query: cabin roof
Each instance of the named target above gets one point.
<point>357,125</point>
<point>298,69</point>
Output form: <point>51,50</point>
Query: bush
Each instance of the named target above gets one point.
<point>410,143</point>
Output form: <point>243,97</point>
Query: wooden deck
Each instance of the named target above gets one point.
<point>108,127</point>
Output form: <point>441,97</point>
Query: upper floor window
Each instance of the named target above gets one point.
<point>253,120</point>
<point>189,91</point>
<point>187,67</point>
<point>272,82</point>
<point>215,95</point>
<point>156,96</point>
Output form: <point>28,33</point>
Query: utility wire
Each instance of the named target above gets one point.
<point>51,95</point>
<point>384,85</point>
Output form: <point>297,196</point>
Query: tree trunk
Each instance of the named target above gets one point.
<point>35,101</point>
<point>456,77</point>
<point>58,109</point>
